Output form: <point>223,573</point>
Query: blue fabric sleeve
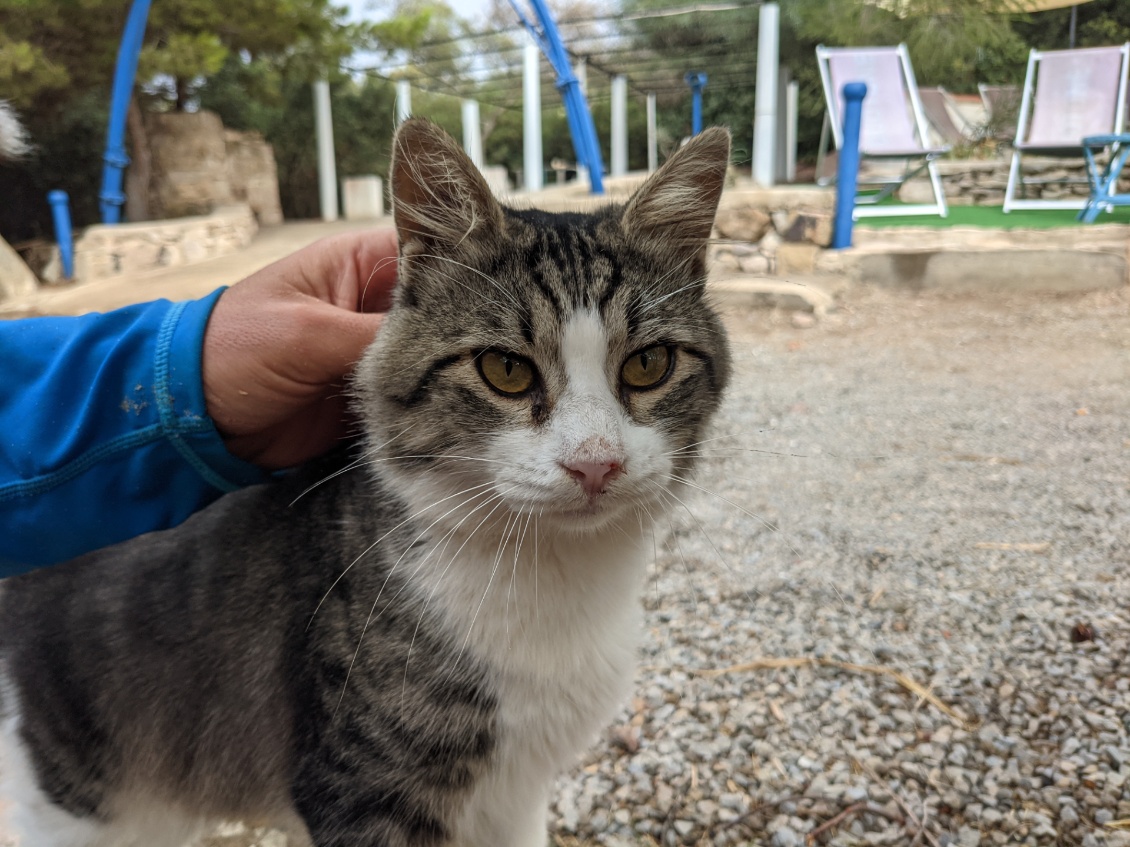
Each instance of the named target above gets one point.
<point>103,430</point>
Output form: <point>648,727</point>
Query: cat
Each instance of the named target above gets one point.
<point>405,642</point>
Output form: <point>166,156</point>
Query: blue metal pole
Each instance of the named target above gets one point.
<point>61,212</point>
<point>697,81</point>
<point>586,146</point>
<point>111,197</point>
<point>847,174</point>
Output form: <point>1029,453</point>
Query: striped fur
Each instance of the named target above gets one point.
<point>402,644</point>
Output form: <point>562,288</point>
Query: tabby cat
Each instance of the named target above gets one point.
<point>404,643</point>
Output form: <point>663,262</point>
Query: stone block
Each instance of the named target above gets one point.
<point>742,223</point>
<point>16,278</point>
<point>916,191</point>
<point>813,227</point>
<point>189,163</point>
<point>253,175</point>
<point>754,264</point>
<point>363,198</point>
<point>795,259</point>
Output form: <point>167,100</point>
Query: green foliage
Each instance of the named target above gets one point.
<point>67,154</point>
<point>282,110</point>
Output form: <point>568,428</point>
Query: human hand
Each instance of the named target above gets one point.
<point>279,344</point>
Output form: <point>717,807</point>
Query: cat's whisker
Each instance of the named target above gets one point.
<point>392,569</point>
<point>511,591</point>
<point>487,277</point>
<point>709,540</point>
<point>439,549</point>
<point>769,525</point>
<point>673,535</point>
<point>360,460</point>
<point>386,535</point>
<point>697,283</point>
<point>379,266</point>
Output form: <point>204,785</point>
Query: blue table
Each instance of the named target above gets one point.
<point>1104,178</point>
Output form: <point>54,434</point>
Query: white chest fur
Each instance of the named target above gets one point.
<point>559,624</point>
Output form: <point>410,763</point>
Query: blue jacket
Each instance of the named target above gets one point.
<point>103,430</point>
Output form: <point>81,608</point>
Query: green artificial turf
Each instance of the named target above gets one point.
<point>992,217</point>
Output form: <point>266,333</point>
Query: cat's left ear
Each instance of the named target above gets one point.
<point>439,197</point>
<point>675,207</point>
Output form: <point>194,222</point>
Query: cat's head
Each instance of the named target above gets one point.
<point>563,365</point>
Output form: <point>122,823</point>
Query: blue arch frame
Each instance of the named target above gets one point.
<point>581,127</point>
<point>112,198</point>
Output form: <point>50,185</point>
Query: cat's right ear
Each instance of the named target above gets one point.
<point>439,197</point>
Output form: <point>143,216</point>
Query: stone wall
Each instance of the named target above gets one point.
<point>982,182</point>
<point>198,166</point>
<point>103,252</point>
<point>774,232</point>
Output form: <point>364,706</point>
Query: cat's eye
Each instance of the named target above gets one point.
<point>649,367</point>
<point>506,373</point>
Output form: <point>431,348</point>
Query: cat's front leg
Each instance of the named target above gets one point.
<point>501,815</point>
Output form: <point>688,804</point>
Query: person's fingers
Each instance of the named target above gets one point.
<point>336,339</point>
<point>355,270</point>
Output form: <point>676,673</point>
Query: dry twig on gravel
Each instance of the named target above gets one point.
<point>879,670</point>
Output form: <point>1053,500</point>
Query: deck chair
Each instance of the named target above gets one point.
<point>940,111</point>
<point>1068,94</point>
<point>1002,106</point>
<point>894,124</point>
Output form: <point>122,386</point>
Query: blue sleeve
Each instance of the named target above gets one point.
<point>103,430</point>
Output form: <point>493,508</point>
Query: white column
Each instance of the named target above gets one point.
<point>765,107</point>
<point>324,136</point>
<point>619,163</point>
<point>403,101</point>
<point>531,114</point>
<point>473,132</point>
<point>581,72</point>
<point>652,134</point>
<point>792,100</point>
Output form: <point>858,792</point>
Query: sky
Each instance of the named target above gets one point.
<point>376,10</point>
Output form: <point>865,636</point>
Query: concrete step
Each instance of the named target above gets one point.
<point>967,259</point>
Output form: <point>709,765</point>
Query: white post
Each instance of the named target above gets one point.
<point>619,164</point>
<point>792,100</point>
<point>531,113</point>
<point>652,135</point>
<point>473,132</point>
<point>581,72</point>
<point>403,101</point>
<point>765,105</point>
<point>324,135</point>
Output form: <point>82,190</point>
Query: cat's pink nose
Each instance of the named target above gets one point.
<point>593,476</point>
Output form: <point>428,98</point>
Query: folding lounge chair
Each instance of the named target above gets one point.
<point>1068,94</point>
<point>939,112</point>
<point>894,124</point>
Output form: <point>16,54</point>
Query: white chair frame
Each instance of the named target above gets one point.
<point>925,158</point>
<point>1016,179</point>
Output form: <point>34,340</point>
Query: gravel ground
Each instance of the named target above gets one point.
<point>901,618</point>
<point>918,545</point>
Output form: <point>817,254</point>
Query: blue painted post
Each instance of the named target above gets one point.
<point>61,212</point>
<point>847,174</point>
<point>697,82</point>
<point>112,198</point>
<point>581,128</point>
